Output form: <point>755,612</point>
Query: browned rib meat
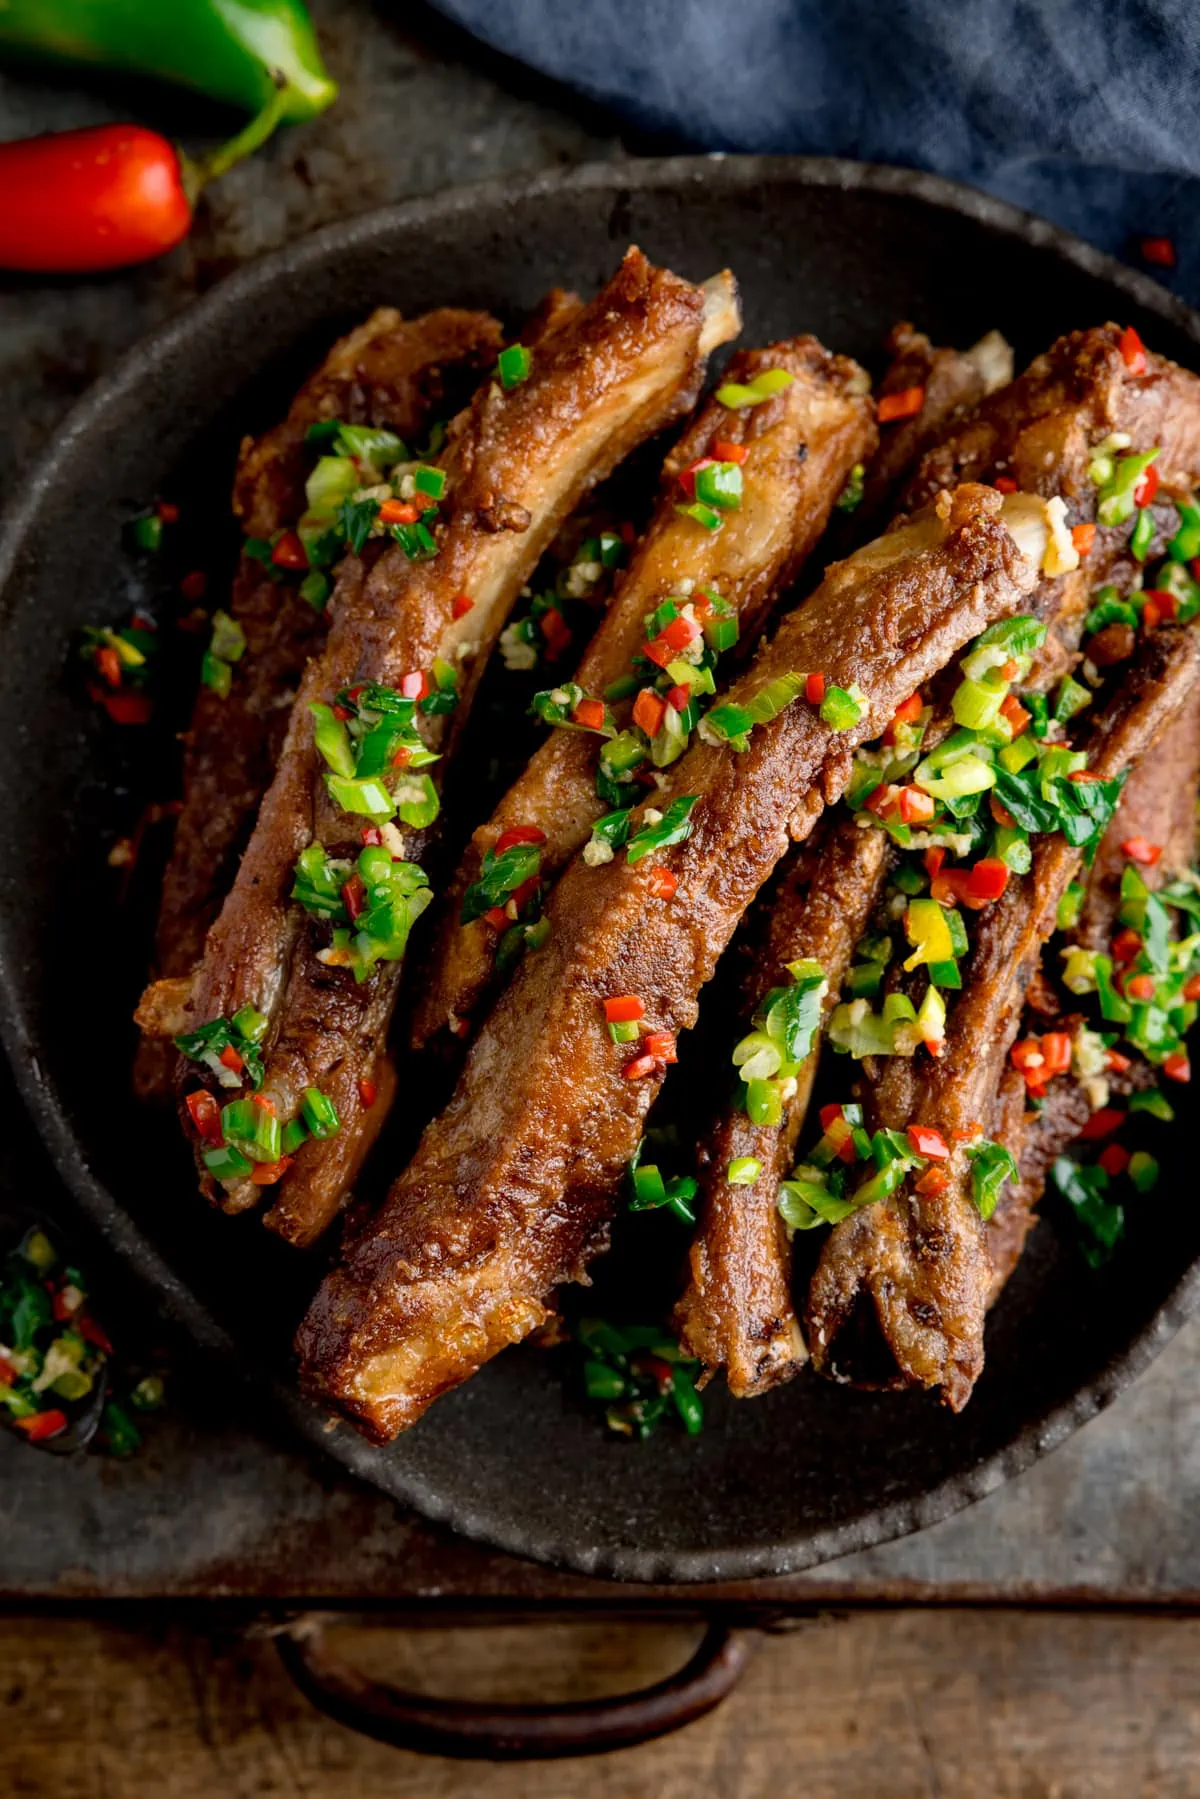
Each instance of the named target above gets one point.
<point>801,446</point>
<point>1035,1139</point>
<point>1041,428</point>
<point>511,1190</point>
<point>388,372</point>
<point>1159,804</point>
<point>915,1268</point>
<point>1087,385</point>
<point>736,1312</point>
<point>603,378</point>
<point>952,382</point>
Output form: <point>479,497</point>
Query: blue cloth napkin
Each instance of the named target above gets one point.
<point>1087,113</point>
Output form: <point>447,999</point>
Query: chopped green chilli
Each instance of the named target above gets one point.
<point>659,830</point>
<point>513,365</point>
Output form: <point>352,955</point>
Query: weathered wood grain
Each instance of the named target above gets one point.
<point>901,1705</point>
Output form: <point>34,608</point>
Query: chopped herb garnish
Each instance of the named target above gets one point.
<point>1101,1220</point>
<point>417,541</point>
<point>671,826</point>
<point>851,496</point>
<point>640,1375</point>
<point>738,395</point>
<point>229,1049</point>
<point>991,1165</point>
<point>367,739</point>
<point>372,903</point>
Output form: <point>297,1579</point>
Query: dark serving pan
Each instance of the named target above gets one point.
<point>774,1485</point>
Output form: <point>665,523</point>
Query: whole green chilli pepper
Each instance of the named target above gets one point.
<point>237,51</point>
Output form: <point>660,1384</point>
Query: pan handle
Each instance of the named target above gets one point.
<point>478,1730</point>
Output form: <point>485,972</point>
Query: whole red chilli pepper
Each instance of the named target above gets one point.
<point>92,199</point>
<point>74,202</point>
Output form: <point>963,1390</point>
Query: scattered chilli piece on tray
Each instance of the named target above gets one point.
<point>61,1382</point>
<point>935,799</point>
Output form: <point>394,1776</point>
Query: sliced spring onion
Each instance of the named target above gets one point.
<point>708,516</point>
<point>319,1113</point>
<point>1009,639</point>
<point>416,801</point>
<point>743,1171</point>
<point>976,704</point>
<point>430,481</point>
<point>381,448</point>
<point>1142,535</point>
<point>1186,542</point>
<point>216,675</point>
<point>227,1164</point>
<point>365,796</point>
<point>1154,1103</point>
<point>417,541</point>
<point>673,827</point>
<point>738,395</point>
<point>250,1127</point>
<point>228,638</point>
<point>1115,502</point>
<point>805,1203</point>
<point>315,589</point>
<point>333,480</point>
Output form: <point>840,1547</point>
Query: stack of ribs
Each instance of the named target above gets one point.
<point>513,1187</point>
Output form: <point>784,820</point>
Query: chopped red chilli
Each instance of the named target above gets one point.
<point>1159,251</point>
<point>1133,350</point>
<point>928,1142</point>
<point>639,1068</point>
<point>903,405</point>
<point>624,1009</point>
<point>289,552</point>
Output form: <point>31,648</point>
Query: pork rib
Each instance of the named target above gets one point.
<point>1041,428</point>
<point>388,372</point>
<point>913,1270</point>
<point>512,1188</point>
<point>602,378</point>
<point>1159,804</point>
<point>736,1310</point>
<point>800,447</point>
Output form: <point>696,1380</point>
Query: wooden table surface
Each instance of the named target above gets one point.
<point>1039,1644</point>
